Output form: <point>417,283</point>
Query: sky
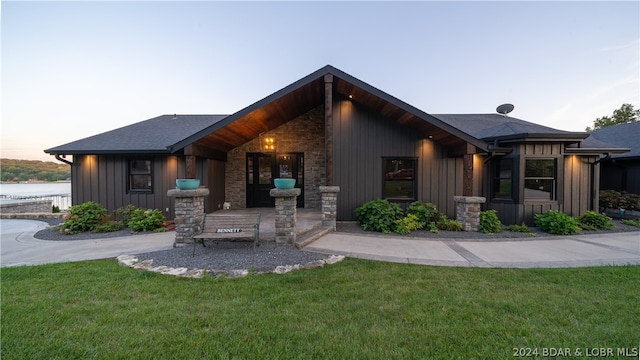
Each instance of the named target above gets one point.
<point>71,70</point>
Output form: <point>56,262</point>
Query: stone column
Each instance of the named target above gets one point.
<point>189,208</point>
<point>329,205</point>
<point>468,211</point>
<point>285,214</point>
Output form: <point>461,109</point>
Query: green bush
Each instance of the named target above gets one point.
<point>611,199</point>
<point>449,225</point>
<point>635,223</point>
<point>591,220</point>
<point>84,217</point>
<point>146,220</point>
<point>557,222</point>
<point>109,227</point>
<point>379,215</point>
<point>489,222</point>
<point>55,209</point>
<point>123,214</point>
<point>426,212</point>
<point>408,224</point>
<point>519,228</point>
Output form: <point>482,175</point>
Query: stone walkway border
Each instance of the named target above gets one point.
<point>133,262</point>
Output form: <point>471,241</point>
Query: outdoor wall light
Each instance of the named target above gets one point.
<point>268,144</point>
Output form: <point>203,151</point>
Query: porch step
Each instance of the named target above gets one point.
<point>307,237</point>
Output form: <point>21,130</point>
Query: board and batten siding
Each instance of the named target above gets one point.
<point>362,138</point>
<point>574,185</point>
<point>103,179</point>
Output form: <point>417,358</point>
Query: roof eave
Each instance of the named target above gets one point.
<point>568,137</point>
<point>595,151</point>
<point>108,152</point>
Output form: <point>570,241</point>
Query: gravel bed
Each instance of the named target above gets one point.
<point>51,234</point>
<point>217,256</point>
<point>232,255</point>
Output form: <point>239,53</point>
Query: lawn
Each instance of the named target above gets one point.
<point>354,309</point>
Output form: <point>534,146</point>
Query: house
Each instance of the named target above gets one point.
<point>621,172</point>
<point>330,128</point>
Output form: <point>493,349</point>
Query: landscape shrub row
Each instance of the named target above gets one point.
<point>386,217</point>
<point>91,216</point>
<point>611,199</point>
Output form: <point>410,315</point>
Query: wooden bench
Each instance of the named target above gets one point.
<point>237,226</point>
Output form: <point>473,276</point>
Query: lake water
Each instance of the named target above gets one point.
<point>58,188</point>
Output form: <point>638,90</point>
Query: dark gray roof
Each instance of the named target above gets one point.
<point>156,135</point>
<point>623,135</point>
<point>495,126</point>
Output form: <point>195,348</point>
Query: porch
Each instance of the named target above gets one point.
<point>308,223</point>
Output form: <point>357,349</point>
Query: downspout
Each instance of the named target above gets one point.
<point>63,160</point>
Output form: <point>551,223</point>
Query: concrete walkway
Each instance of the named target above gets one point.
<point>547,252</point>
<point>19,247</point>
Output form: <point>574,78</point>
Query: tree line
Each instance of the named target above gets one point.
<point>12,170</point>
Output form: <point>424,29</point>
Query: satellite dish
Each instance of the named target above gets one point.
<point>504,109</point>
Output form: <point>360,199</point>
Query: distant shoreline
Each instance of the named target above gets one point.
<point>36,182</point>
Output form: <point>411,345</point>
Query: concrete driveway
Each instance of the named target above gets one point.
<point>19,247</point>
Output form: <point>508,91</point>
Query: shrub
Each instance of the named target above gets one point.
<point>109,226</point>
<point>408,224</point>
<point>635,223</point>
<point>146,220</point>
<point>489,222</point>
<point>557,222</point>
<point>521,229</point>
<point>591,220</point>
<point>379,215</point>
<point>449,225</point>
<point>123,214</point>
<point>83,217</point>
<point>426,212</point>
<point>55,209</point>
<point>611,199</point>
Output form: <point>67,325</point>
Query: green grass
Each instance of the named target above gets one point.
<point>354,309</point>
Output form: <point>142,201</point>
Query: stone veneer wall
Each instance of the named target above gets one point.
<point>35,206</point>
<point>303,134</point>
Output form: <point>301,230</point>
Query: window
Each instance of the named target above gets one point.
<point>503,179</point>
<point>540,179</point>
<point>140,176</point>
<point>399,178</point>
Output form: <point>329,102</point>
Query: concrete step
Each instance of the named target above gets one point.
<point>305,238</point>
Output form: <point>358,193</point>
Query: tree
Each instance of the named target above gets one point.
<point>625,114</point>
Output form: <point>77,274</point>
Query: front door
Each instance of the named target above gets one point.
<point>263,168</point>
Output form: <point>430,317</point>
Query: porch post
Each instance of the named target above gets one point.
<point>468,211</point>
<point>190,167</point>
<point>286,200</point>
<point>189,210</point>
<point>329,205</point>
<point>467,180</point>
<point>328,127</point>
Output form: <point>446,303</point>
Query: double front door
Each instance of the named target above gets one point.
<point>263,168</point>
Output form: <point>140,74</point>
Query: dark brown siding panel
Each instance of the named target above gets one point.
<point>215,183</point>
<point>361,139</point>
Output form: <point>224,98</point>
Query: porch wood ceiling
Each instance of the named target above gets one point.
<point>306,94</point>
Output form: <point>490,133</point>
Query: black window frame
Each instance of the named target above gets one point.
<point>399,176</point>
<point>498,177</point>
<point>543,177</point>
<point>131,173</point>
